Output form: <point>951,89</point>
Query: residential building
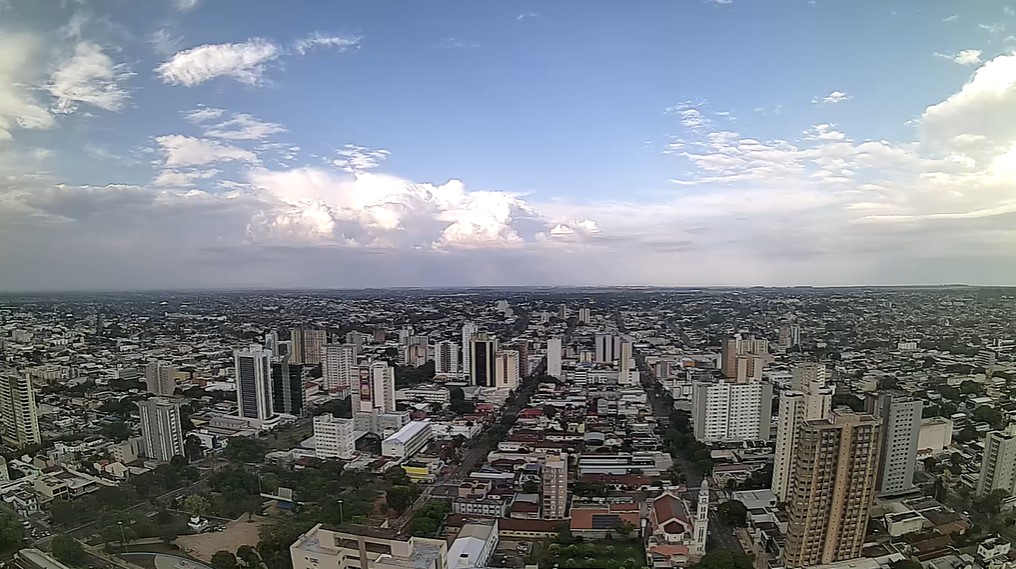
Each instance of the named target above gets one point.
<point>998,463</point>
<point>408,440</point>
<point>728,411</point>
<point>808,400</point>
<point>607,348</point>
<point>482,349</point>
<point>161,432</point>
<point>935,435</point>
<point>506,369</point>
<point>254,383</point>
<point>832,487</point>
<point>901,429</point>
<point>554,357</point>
<point>339,365</point>
<point>322,548</point>
<point>585,316</point>
<point>555,486</point>
<point>468,330</point>
<point>160,378</point>
<point>18,413</point>
<point>308,345</point>
<point>446,357</point>
<point>287,387</point>
<point>333,437</point>
<point>743,358</point>
<point>375,391</point>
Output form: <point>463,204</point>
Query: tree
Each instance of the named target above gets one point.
<point>249,556</point>
<point>460,407</point>
<point>11,532</point>
<point>456,394</point>
<point>399,498</point>
<point>116,431</point>
<point>931,464</point>
<point>245,449</point>
<point>530,487</point>
<point>224,560</point>
<point>733,513</point>
<point>197,505</point>
<point>68,550</point>
<point>193,449</point>
<point>988,414</point>
<point>906,564</point>
<point>725,559</point>
<point>425,527</point>
<point>991,502</point>
<point>396,476</point>
<point>549,411</point>
<point>956,458</point>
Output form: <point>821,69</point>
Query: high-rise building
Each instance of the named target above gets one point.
<point>375,390</point>
<point>414,354</point>
<point>832,488</point>
<point>308,345</point>
<point>446,357</point>
<point>161,433</point>
<point>998,463</point>
<point>607,348</point>
<point>506,369</point>
<point>555,486</point>
<point>333,437</point>
<point>468,329</point>
<point>743,358</point>
<point>626,372</point>
<point>404,334</point>
<point>287,388</point>
<point>339,366</point>
<point>727,411</point>
<point>562,311</point>
<point>809,399</point>
<point>585,316</point>
<point>272,343</point>
<point>356,340</point>
<point>379,335</point>
<point>901,428</point>
<point>482,349</point>
<point>253,383</point>
<point>160,378</point>
<point>18,413</point>
<point>554,357</point>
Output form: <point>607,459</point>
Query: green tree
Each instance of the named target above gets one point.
<point>399,498</point>
<point>530,487</point>
<point>733,513</point>
<point>906,564</point>
<point>425,526</point>
<point>457,394</point>
<point>11,532</point>
<point>249,556</point>
<point>224,560</point>
<point>396,476</point>
<point>68,550</point>
<point>990,415</point>
<point>192,448</point>
<point>245,449</point>
<point>197,505</point>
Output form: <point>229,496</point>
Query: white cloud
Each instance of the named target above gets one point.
<point>526,16</point>
<point>90,77</point>
<point>318,40</point>
<point>964,57</point>
<point>180,178</point>
<point>720,2</point>
<point>992,28</point>
<point>1009,11</point>
<point>203,114</point>
<point>832,98</point>
<point>244,62</point>
<point>186,5</point>
<point>952,18</point>
<point>180,150</point>
<point>242,127</point>
<point>353,158</point>
<point>165,42</point>
<point>19,69</point>
<point>454,43</point>
<point>824,132</point>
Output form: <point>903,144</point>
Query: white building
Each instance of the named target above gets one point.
<point>333,437</point>
<point>408,440</point>
<point>935,435</point>
<point>731,411</point>
<point>18,413</point>
<point>998,464</point>
<point>254,383</point>
<point>585,316</point>
<point>469,329</point>
<point>808,399</point>
<point>161,433</point>
<point>160,378</point>
<point>607,348</point>
<point>320,548</point>
<point>901,427</point>
<point>554,357</point>
<point>338,365</point>
<point>506,370</point>
<point>375,390</point>
<point>473,546</point>
<point>446,357</point>
<point>429,393</point>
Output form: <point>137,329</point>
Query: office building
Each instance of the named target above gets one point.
<point>253,383</point>
<point>743,358</point>
<point>901,429</point>
<point>161,433</point>
<point>555,486</point>
<point>468,330</point>
<point>809,399</point>
<point>446,357</point>
<point>287,388</point>
<point>321,548</point>
<point>832,488</point>
<point>727,411</point>
<point>607,348</point>
<point>18,412</point>
<point>308,345</point>
<point>482,349</point>
<point>160,378</point>
<point>333,437</point>
<point>554,357</point>
<point>408,441</point>
<point>375,390</point>
<point>998,462</point>
<point>339,366</point>
<point>506,369</point>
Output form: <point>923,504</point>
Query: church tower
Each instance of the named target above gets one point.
<point>698,548</point>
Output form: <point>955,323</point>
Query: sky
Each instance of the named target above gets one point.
<point>164,144</point>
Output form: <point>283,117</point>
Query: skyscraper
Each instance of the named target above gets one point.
<point>446,357</point>
<point>160,378</point>
<point>308,345</point>
<point>554,357</point>
<point>626,372</point>
<point>161,433</point>
<point>743,358</point>
<point>287,387</point>
<point>831,488</point>
<point>506,369</point>
<point>468,329</point>
<point>253,383</point>
<point>339,365</point>
<point>481,360</point>
<point>998,464</point>
<point>585,316</point>
<point>901,427</point>
<point>18,412</point>
<point>727,411</point>
<point>375,390</point>
<point>607,348</point>
<point>555,486</point>
<point>809,399</point>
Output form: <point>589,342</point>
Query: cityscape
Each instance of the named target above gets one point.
<point>616,428</point>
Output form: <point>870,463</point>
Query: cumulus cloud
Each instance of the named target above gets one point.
<point>179,150</point>
<point>89,77</point>
<point>964,57</point>
<point>245,62</point>
<point>353,158</point>
<point>318,40</point>
<point>832,98</point>
<point>19,105</point>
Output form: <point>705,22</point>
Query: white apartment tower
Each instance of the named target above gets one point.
<point>607,348</point>
<point>446,357</point>
<point>375,390</point>
<point>555,487</point>
<point>333,437</point>
<point>254,383</point>
<point>809,399</point>
<point>585,316</point>
<point>998,464</point>
<point>731,411</point>
<point>161,433</point>
<point>338,366</point>
<point>160,378</point>
<point>901,428</point>
<point>469,329</point>
<point>554,357</point>
<point>18,413</point>
<point>506,370</point>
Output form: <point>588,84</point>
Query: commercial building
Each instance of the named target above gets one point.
<point>254,383</point>
<point>832,488</point>
<point>408,440</point>
<point>998,463</point>
<point>446,357</point>
<point>18,413</point>
<point>160,378</point>
<point>375,389</point>
<point>161,432</point>
<point>727,411</point>
<point>287,387</point>
<point>808,400</point>
<point>322,548</point>
<point>554,357</point>
<point>482,350</point>
<point>339,366</point>
<point>555,487</point>
<point>333,437</point>
<point>901,429</point>
<point>308,345</point>
<point>506,370</point>
<point>473,546</point>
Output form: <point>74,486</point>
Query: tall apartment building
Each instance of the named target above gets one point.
<point>308,345</point>
<point>901,429</point>
<point>482,350</point>
<point>18,413</point>
<point>998,463</point>
<point>555,486</point>
<point>743,358</point>
<point>160,378</point>
<point>554,357</point>
<point>287,387</point>
<point>338,368</point>
<point>810,399</point>
<point>607,348</point>
<point>585,316</point>
<point>446,357</point>
<point>161,433</point>
<point>375,390</point>
<point>832,488</point>
<point>253,383</point>
<point>731,411</point>
<point>468,330</point>
<point>333,437</point>
<point>506,369</point>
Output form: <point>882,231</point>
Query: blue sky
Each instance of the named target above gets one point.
<point>208,143</point>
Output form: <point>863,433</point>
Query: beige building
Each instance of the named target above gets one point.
<point>808,400</point>
<point>19,417</point>
<point>322,548</point>
<point>832,487</point>
<point>160,378</point>
<point>308,345</point>
<point>555,487</point>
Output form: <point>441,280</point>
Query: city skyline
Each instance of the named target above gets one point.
<point>194,144</point>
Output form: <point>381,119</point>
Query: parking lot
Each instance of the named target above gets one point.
<point>510,553</point>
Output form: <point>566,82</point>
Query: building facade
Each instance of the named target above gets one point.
<point>160,378</point>
<point>18,412</point>
<point>446,357</point>
<point>808,400</point>
<point>253,383</point>
<point>482,368</point>
<point>161,432</point>
<point>339,365</point>
<point>555,487</point>
<point>408,440</point>
<point>468,330</point>
<point>308,345</point>
<point>506,371</point>
<point>287,388</point>
<point>998,463</point>
<point>375,389</point>
<point>333,437</point>
<point>732,411</point>
<point>901,430</point>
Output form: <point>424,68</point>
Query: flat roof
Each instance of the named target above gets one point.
<point>406,433</point>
